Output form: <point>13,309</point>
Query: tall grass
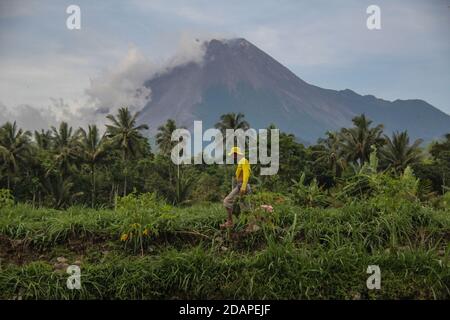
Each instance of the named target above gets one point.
<point>277,272</point>
<point>297,253</point>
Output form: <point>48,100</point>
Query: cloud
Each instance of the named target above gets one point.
<point>27,116</point>
<point>122,85</point>
<point>197,16</point>
<point>190,49</point>
<point>119,85</point>
<point>18,8</point>
<point>196,13</point>
<point>325,43</point>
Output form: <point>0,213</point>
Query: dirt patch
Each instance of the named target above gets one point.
<point>94,248</point>
<point>16,251</point>
<point>21,252</point>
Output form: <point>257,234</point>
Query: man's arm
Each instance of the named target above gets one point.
<point>238,172</point>
<point>245,176</point>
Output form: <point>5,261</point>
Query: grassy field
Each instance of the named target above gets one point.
<point>145,249</point>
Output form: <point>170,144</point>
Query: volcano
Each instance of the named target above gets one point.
<point>236,76</point>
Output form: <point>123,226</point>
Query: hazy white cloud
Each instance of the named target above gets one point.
<point>19,8</point>
<point>27,116</point>
<point>196,15</point>
<point>122,84</point>
<point>34,80</point>
<point>4,113</point>
<point>200,13</point>
<point>337,36</point>
<point>189,49</point>
<point>62,92</point>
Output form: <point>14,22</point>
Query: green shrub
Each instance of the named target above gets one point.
<point>6,198</point>
<point>268,198</point>
<point>444,201</point>
<point>309,195</point>
<point>143,215</point>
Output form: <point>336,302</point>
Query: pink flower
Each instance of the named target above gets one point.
<point>267,207</point>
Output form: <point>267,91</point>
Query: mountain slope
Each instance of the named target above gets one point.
<point>236,76</point>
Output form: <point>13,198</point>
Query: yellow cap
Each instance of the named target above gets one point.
<point>236,150</point>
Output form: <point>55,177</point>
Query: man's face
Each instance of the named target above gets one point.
<point>235,157</point>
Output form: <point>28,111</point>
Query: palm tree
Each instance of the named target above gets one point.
<point>125,135</point>
<point>61,190</point>
<point>43,139</point>
<point>398,153</point>
<point>232,121</point>
<point>164,136</point>
<point>66,148</point>
<point>440,153</point>
<point>14,148</point>
<point>182,185</point>
<point>37,171</point>
<point>94,150</point>
<point>331,153</point>
<point>356,142</point>
<point>440,150</point>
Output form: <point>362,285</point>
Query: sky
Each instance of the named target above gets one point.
<point>49,73</point>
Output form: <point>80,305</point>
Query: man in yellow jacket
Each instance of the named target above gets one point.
<point>242,187</point>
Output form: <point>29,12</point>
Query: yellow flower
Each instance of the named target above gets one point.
<point>145,233</point>
<point>124,237</point>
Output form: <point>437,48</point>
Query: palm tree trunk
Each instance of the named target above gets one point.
<point>125,186</point>
<point>93,184</point>
<point>116,193</point>
<point>443,183</point>
<point>125,171</point>
<point>8,182</point>
<point>178,183</point>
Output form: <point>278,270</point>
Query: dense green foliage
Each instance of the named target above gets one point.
<point>141,227</point>
<point>62,167</point>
